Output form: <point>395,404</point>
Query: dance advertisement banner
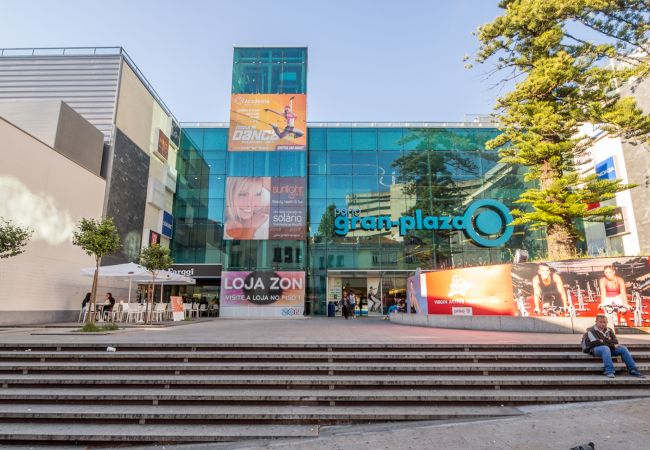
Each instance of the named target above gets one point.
<point>261,208</point>
<point>616,287</point>
<point>268,122</point>
<point>262,294</point>
<point>485,290</point>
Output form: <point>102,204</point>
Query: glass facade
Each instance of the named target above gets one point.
<point>269,70</point>
<point>375,171</point>
<point>379,171</point>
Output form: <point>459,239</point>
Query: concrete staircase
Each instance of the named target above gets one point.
<point>168,393</point>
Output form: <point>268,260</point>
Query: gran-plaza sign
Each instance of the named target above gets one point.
<point>486,222</point>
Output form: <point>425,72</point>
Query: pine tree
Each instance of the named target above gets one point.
<point>567,58</point>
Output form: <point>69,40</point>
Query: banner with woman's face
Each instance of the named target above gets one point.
<point>261,208</point>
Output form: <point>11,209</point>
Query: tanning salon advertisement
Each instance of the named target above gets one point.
<point>268,122</point>
<point>260,208</point>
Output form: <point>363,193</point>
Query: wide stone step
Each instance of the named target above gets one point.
<point>163,433</point>
<point>320,414</point>
<point>226,355</point>
<point>282,381</point>
<point>587,365</point>
<point>122,394</point>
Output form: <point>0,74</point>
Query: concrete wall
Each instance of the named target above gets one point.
<point>570,325</point>
<point>60,127</point>
<point>48,192</point>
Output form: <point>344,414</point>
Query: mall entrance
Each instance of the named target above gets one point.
<point>377,292</point>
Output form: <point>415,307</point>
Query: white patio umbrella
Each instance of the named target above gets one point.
<point>129,271</point>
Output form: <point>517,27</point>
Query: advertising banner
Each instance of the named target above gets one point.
<point>373,296</point>
<point>261,208</point>
<point>485,290</point>
<point>262,294</point>
<point>268,122</point>
<point>177,308</point>
<point>616,287</point>
<point>416,303</point>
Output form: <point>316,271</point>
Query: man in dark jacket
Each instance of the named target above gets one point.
<point>601,342</point>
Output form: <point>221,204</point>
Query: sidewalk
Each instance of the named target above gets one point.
<point>310,330</point>
<point>616,425</point>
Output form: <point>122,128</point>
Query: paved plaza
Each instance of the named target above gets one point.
<point>286,331</point>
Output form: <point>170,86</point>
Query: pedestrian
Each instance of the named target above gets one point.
<point>353,304</point>
<point>600,341</point>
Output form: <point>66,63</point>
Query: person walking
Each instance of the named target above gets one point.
<point>353,304</point>
<point>345,305</point>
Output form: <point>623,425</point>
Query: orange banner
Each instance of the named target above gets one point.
<point>268,122</point>
<point>485,290</point>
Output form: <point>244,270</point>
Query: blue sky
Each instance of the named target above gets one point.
<point>368,60</point>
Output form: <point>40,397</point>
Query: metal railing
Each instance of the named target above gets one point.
<point>361,124</point>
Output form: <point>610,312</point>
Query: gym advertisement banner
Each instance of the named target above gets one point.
<point>262,294</point>
<point>616,287</point>
<point>261,208</point>
<point>268,122</point>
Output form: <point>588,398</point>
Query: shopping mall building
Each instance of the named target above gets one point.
<point>275,215</point>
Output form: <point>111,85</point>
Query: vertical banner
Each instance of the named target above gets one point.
<point>373,296</point>
<point>260,208</point>
<point>485,290</point>
<point>268,122</point>
<point>416,300</point>
<point>262,294</point>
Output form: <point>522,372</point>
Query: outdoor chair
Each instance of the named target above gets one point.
<point>158,312</point>
<point>123,313</point>
<point>135,314</point>
<point>194,311</point>
<point>115,312</point>
<point>203,309</point>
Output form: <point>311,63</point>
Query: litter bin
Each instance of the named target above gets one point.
<point>331,309</point>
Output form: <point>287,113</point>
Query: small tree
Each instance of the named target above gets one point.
<point>97,238</point>
<point>13,238</point>
<point>154,259</point>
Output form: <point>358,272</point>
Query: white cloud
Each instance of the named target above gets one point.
<point>37,211</point>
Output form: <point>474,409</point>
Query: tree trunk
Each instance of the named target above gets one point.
<point>150,300</point>
<point>561,243</point>
<point>90,318</point>
<point>560,240</point>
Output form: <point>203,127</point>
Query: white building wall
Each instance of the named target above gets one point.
<point>49,193</point>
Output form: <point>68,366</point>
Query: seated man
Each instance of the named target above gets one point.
<point>601,341</point>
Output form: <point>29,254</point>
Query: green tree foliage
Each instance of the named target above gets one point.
<point>97,238</point>
<point>154,258</point>
<point>567,58</point>
<point>325,231</point>
<point>13,238</point>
